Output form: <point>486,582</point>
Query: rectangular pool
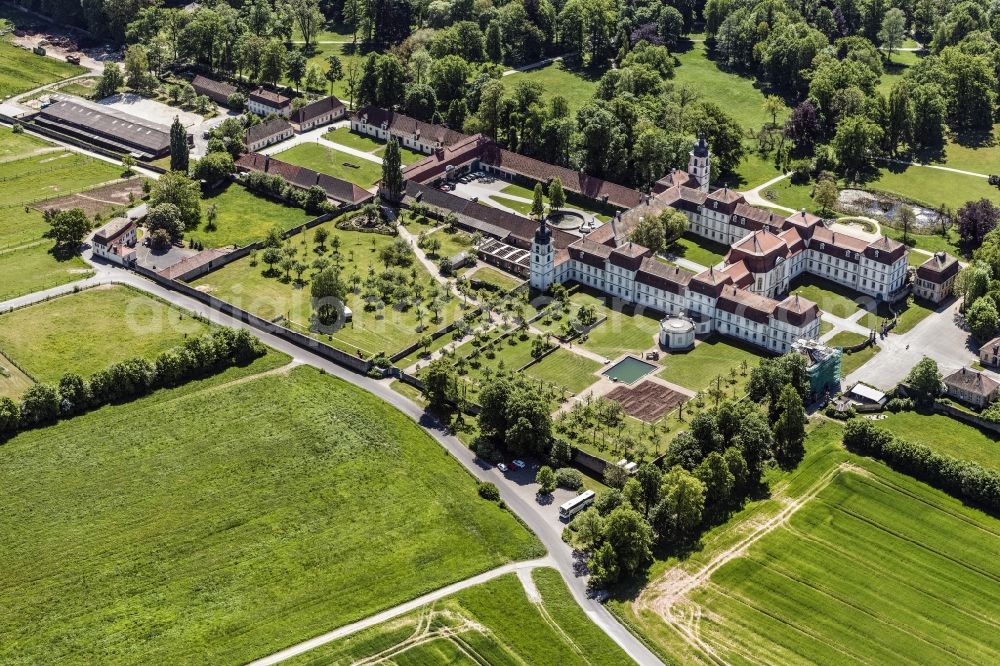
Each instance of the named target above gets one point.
<point>628,370</point>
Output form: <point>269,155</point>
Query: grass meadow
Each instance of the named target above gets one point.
<point>828,295</point>
<point>220,522</point>
<point>21,70</point>
<point>345,137</point>
<point>334,163</point>
<point>244,217</point>
<point>699,250</point>
<point>933,187</point>
<point>491,276</point>
<point>12,381</point>
<point>851,362</point>
<point>483,624</point>
<point>576,87</point>
<point>946,435</point>
<point>562,367</point>
<point>87,331</point>
<point>33,268</point>
<point>719,356</point>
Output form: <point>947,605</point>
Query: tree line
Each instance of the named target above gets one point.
<point>42,404</point>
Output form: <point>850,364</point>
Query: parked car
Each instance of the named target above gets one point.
<point>502,467</point>
<point>518,464</point>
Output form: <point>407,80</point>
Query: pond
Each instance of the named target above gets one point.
<point>874,205</point>
<point>629,370</point>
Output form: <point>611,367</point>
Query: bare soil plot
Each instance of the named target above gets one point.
<point>647,401</point>
<point>99,200</point>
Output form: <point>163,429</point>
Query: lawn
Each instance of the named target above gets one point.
<point>22,70</point>
<point>33,268</point>
<point>895,69</point>
<point>810,591</point>
<point>492,276</point>
<point>738,95</point>
<point>932,242</point>
<point>248,284</point>
<point>244,217</point>
<point>87,331</point>
<point>626,330</point>
<point>345,137</point>
<point>15,146</point>
<point>946,435</point>
<point>851,362</point>
<point>563,368</point>
<point>576,87</point>
<point>789,195</point>
<point>753,171</point>
<point>717,357</point>
<point>32,179</point>
<point>488,620</point>
<point>975,156</point>
<point>828,295</point>
<point>332,162</point>
<point>522,207</point>
<point>699,250</point>
<point>910,315</point>
<point>452,243</point>
<point>933,187</point>
<point>310,504</point>
<point>12,381</point>
<point>347,57</point>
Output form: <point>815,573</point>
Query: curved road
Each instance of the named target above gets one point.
<point>547,530</point>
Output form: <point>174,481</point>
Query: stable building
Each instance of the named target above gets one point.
<point>268,133</point>
<point>107,128</point>
<point>316,114</point>
<point>935,278</point>
<point>115,241</point>
<point>264,102</point>
<point>217,91</point>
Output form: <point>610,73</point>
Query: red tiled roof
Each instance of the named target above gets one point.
<point>269,98</point>
<point>662,276</point>
<point>316,109</point>
<point>402,124</point>
<point>710,282</point>
<point>938,268</point>
<point>437,163</point>
<point>796,311</point>
<point>746,304</point>
<point>217,91</point>
<point>885,250</point>
<point>267,129</point>
<point>335,188</point>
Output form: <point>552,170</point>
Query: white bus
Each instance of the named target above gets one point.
<point>576,505</point>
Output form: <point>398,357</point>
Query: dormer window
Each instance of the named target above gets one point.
<point>876,254</point>
<point>822,246</point>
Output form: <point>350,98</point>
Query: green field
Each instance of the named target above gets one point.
<point>87,331</point>
<point>12,381</point>
<point>452,243</point>
<point>576,87</point>
<point>270,296</point>
<point>15,146</point>
<point>978,157</point>
<point>851,362</point>
<point>844,579</point>
<point>895,69</point>
<point>910,314</point>
<point>223,523</point>
<point>521,207</point>
<point>564,368</point>
<point>52,174</point>
<point>933,187</point>
<point>21,70</point>
<point>811,591</point>
<point>828,295</point>
<point>625,330</point>
<point>483,624</point>
<point>934,242</point>
<point>699,250</point>
<point>244,217</point>
<point>789,195</point>
<point>719,356</point>
<point>334,163</point>
<point>345,137</point>
<point>946,435</point>
<point>33,268</point>
<point>738,95</point>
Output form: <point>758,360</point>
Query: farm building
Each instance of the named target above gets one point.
<point>971,387</point>
<point>217,91</point>
<point>318,113</point>
<point>268,132</point>
<point>263,102</point>
<point>107,128</point>
<point>115,241</point>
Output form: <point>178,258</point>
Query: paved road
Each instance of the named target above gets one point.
<point>517,489</point>
<point>520,568</point>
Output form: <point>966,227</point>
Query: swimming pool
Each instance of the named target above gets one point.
<point>628,370</point>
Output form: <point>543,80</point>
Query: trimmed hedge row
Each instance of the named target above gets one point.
<point>127,380</point>
<point>963,479</point>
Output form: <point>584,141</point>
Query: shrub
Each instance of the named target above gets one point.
<point>569,478</point>
<point>488,491</point>
<point>899,405</point>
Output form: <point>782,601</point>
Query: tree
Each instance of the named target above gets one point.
<point>893,30</point>
<point>925,380</point>
<point>174,187</point>
<point>137,67</point>
<point>546,479</point>
<point>855,143</point>
<point>826,196</point>
<point>10,417</point>
<point>165,217</point>
<point>976,219</point>
<point>790,428</point>
<point>39,405</point>
<point>588,528</point>
<point>272,61</point>
<point>179,155</point>
<point>773,105</point>
<point>295,67</point>
<point>440,384</point>
<point>538,202</point>
<point>392,173</point>
<point>68,229</point>
<point>214,167</point>
<point>649,233</point>
<point>982,319</point>
<point>630,538</point>
<point>514,415</point>
<point>328,292</point>
<point>905,218</point>
<point>557,197</point>
<point>128,164</point>
<point>680,508</point>
<point>73,393</point>
<point>111,80</point>
<point>718,479</point>
<point>674,225</point>
<point>334,70</point>
<point>309,19</point>
<point>803,127</point>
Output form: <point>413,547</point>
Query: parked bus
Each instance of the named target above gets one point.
<point>576,505</point>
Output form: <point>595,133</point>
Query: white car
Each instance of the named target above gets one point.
<point>502,467</point>
<point>518,464</point>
